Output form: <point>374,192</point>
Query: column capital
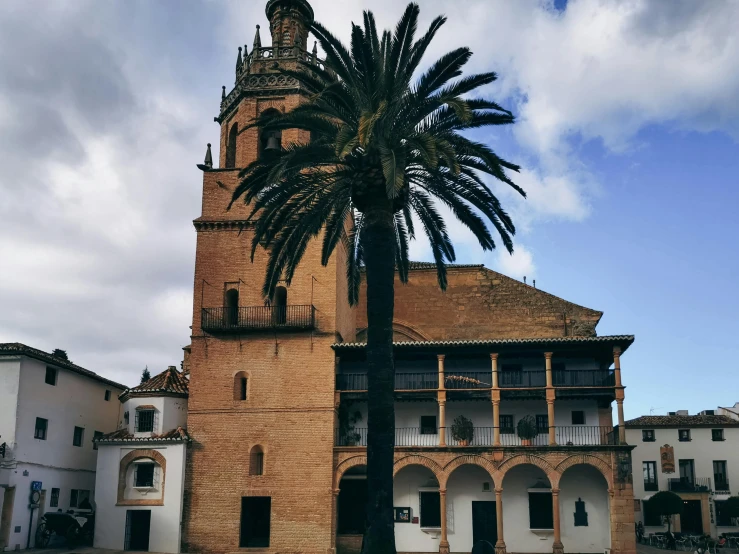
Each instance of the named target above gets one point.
<point>440,357</point>
<point>335,492</point>
<point>616,351</point>
<point>493,355</point>
<point>441,402</point>
<point>498,490</point>
<point>496,401</point>
<point>442,491</point>
<point>555,492</point>
<point>548,355</point>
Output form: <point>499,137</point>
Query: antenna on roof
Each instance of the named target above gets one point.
<point>534,283</point>
<point>524,279</point>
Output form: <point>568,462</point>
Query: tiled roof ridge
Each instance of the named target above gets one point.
<point>122,435</point>
<point>681,421</point>
<point>23,349</point>
<point>169,381</point>
<point>484,342</point>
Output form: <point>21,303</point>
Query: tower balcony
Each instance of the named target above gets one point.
<point>225,320</point>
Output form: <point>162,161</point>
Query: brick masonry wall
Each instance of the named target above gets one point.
<point>480,304</point>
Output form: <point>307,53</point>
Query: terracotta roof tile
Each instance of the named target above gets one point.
<point>625,339</point>
<point>168,383</point>
<point>122,435</point>
<point>682,421</point>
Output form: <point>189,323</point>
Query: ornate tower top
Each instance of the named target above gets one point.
<point>289,22</point>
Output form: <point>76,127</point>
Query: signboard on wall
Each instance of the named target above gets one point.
<point>35,485</point>
<point>667,456</point>
<point>402,515</point>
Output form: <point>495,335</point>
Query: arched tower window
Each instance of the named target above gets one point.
<point>280,305</point>
<point>232,307</point>
<point>256,461</point>
<point>231,146</point>
<point>241,386</point>
<point>270,141</point>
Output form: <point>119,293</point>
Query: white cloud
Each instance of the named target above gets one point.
<point>518,265</point>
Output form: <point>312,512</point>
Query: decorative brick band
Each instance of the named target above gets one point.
<point>126,461</point>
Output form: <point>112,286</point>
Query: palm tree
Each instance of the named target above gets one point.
<point>385,154</point>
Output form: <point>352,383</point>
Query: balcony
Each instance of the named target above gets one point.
<point>522,379</point>
<point>579,435</point>
<point>584,378</point>
<point>722,487</point>
<point>258,318</point>
<point>685,484</point>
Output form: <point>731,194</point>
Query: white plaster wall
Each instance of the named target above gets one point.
<point>408,536</point>
<point>9,385</point>
<point>587,483</point>
<point>174,413</point>
<point>464,486</point>
<point>110,522</point>
<point>132,403</point>
<point>701,449</point>
<point>518,537</point>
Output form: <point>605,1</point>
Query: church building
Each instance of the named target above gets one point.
<point>505,394</point>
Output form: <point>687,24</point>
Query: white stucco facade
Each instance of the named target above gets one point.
<point>77,398</point>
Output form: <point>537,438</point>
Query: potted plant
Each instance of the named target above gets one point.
<point>526,430</point>
<point>348,436</point>
<point>462,430</point>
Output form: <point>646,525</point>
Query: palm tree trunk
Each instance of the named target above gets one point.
<point>378,243</point>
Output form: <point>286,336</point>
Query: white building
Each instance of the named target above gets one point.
<point>141,468</point>
<point>694,456</point>
<point>50,411</point>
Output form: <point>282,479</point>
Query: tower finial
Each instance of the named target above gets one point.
<point>223,93</point>
<point>239,62</point>
<point>208,158</point>
<point>257,40</point>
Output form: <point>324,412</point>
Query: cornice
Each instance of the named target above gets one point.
<point>222,224</point>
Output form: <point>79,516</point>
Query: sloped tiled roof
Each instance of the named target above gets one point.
<point>168,383</point>
<point>432,265</point>
<point>18,349</point>
<point>682,421</point>
<point>122,435</point>
<point>625,340</point>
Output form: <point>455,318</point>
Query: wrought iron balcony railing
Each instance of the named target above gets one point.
<point>522,379</point>
<point>722,487</point>
<point>258,318</point>
<point>584,378</point>
<point>688,484</point>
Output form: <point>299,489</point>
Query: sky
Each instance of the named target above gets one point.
<point>627,132</point>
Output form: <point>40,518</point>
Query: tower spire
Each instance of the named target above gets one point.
<point>257,40</point>
<point>239,62</point>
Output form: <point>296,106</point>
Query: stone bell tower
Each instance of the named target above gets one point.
<point>261,411</point>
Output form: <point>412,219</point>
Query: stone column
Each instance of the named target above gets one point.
<point>334,517</point>
<point>495,397</point>
<point>442,420</point>
<point>442,384</point>
<point>557,547</point>
<point>500,544</point>
<point>617,364</point>
<point>620,407</point>
<point>550,398</point>
<point>444,543</point>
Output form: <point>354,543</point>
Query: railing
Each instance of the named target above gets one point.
<point>256,318</point>
<point>686,484</point>
<point>722,487</point>
<point>417,381</point>
<point>468,380</point>
<point>523,379</point>
<point>351,381</point>
<point>583,378</point>
<point>484,436</point>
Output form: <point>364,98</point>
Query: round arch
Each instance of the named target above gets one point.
<point>345,466</point>
<point>586,459</point>
<point>419,461</point>
<point>523,459</point>
<point>466,460</point>
<point>126,461</point>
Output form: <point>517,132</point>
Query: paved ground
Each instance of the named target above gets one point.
<point>79,550</point>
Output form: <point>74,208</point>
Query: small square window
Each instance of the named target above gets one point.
<point>96,435</point>
<point>542,423</point>
<point>41,426</point>
<point>79,435</point>
<point>144,421</point>
<point>428,425</point>
<point>578,417</point>
<point>107,395</point>
<point>647,435</point>
<point>683,435</point>
<point>717,434</point>
<point>54,501</point>
<point>50,376</point>
<point>144,476</point>
<point>506,424</point>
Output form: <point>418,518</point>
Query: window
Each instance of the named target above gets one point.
<point>647,435</point>
<point>107,395</point>
<point>578,417</point>
<point>687,471</point>
<point>683,435</point>
<point>50,376</point>
<point>650,476</point>
<point>79,434</point>
<point>144,421</point>
<point>231,146</point>
<point>143,475</point>
<point>651,516</point>
<point>542,423</point>
<point>720,476</point>
<point>723,519</point>
<point>79,498</point>
<point>232,307</point>
<point>541,515</point>
<point>256,461</point>
<point>717,434</point>
<point>41,426</point>
<point>430,507</point>
<point>96,435</point>
<point>280,306</point>
<point>241,384</point>
<point>255,524</point>
<point>506,424</point>
<point>54,500</point>
<point>428,425</point>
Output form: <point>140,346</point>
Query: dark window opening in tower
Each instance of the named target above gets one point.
<point>232,307</point>
<point>270,141</point>
<point>231,147</point>
<point>280,305</point>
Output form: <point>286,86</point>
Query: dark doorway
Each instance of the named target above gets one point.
<point>138,524</point>
<point>232,307</point>
<point>255,521</point>
<point>484,522</point>
<point>231,146</point>
<point>352,506</point>
<point>691,520</point>
<point>280,307</point>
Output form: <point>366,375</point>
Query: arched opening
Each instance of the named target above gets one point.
<point>416,495</point>
<point>256,461</point>
<point>280,306</point>
<point>585,522</point>
<point>231,146</point>
<point>270,141</point>
<point>141,478</point>
<point>471,508</point>
<point>352,502</point>
<point>241,386</point>
<point>232,307</point>
<point>528,514</point>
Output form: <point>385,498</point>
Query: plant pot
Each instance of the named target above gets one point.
<point>525,442</point>
<point>464,442</point>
